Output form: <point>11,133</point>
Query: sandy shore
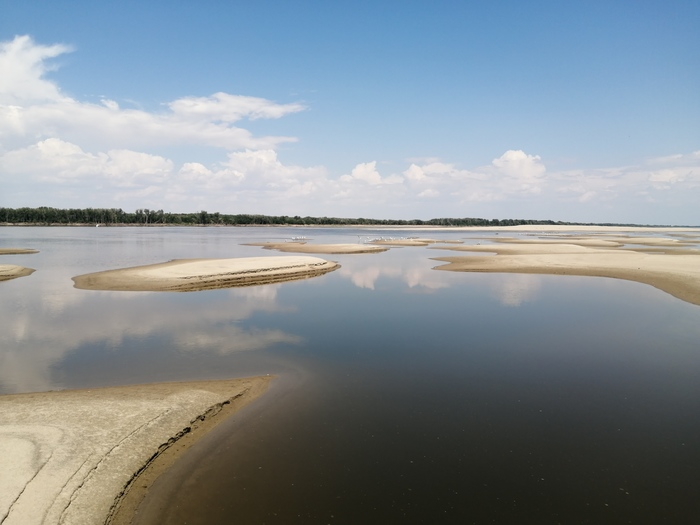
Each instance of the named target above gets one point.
<point>70,457</point>
<point>187,275</point>
<point>675,269</point>
<point>11,271</point>
<point>328,249</point>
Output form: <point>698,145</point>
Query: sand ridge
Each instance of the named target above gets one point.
<point>677,274</point>
<point>304,247</point>
<point>17,251</point>
<point>184,275</point>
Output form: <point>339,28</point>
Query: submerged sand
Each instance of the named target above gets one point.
<point>185,275</point>
<point>70,457</point>
<point>328,249</point>
<point>676,273</point>
<point>12,271</point>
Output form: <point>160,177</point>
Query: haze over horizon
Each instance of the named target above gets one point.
<point>570,111</point>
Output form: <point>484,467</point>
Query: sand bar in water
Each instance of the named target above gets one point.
<point>185,275</point>
<point>328,249</point>
<point>12,271</point>
<point>16,251</point>
<point>676,274</point>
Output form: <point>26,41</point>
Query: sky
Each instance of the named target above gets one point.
<point>583,110</point>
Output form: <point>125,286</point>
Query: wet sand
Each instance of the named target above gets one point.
<point>86,456</point>
<point>328,249</point>
<point>676,273</point>
<point>12,271</point>
<point>186,275</point>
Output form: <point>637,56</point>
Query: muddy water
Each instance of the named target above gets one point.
<point>404,395</point>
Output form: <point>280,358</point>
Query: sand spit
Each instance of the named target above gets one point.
<point>608,240</point>
<point>676,274</point>
<point>412,242</point>
<point>187,275</point>
<point>328,249</point>
<point>68,457</point>
<point>16,251</point>
<point>11,271</point>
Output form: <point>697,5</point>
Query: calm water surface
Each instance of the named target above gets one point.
<point>405,394</point>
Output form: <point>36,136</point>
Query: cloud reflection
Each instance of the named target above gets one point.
<point>43,325</point>
<point>514,289</point>
<point>414,272</point>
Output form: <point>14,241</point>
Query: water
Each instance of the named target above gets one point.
<point>405,395</point>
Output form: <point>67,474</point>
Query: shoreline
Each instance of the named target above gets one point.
<point>668,266</point>
<point>432,227</point>
<point>90,455</point>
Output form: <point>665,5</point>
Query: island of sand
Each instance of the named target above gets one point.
<point>414,241</point>
<point>668,264</point>
<point>303,247</point>
<point>70,457</point>
<point>186,275</point>
<point>12,271</point>
<point>16,251</point>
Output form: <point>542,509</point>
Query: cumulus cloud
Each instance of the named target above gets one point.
<point>54,160</point>
<point>32,106</point>
<point>524,172</point>
<point>367,173</point>
<point>23,64</point>
<point>58,147</point>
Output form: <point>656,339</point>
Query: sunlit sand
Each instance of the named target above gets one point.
<point>677,273</point>
<point>303,247</point>
<point>78,456</point>
<point>412,242</point>
<point>186,275</point>
<point>16,251</point>
<point>12,271</point>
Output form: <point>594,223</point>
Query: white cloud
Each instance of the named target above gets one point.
<point>59,151</point>
<point>32,107</point>
<point>23,64</point>
<point>367,173</point>
<point>522,172</point>
<point>229,108</point>
<point>520,165</point>
<point>57,161</point>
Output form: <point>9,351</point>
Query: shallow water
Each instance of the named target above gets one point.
<point>406,395</point>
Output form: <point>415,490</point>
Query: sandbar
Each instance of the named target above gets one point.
<point>12,271</point>
<point>303,247</point>
<point>16,251</point>
<point>677,274</point>
<point>187,275</point>
<point>415,241</point>
<point>603,240</point>
<point>71,456</point>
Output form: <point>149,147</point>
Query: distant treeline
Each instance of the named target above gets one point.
<point>145,217</point>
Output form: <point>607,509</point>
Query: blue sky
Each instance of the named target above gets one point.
<point>575,111</point>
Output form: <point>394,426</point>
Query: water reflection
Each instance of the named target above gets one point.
<point>40,328</point>
<point>514,289</point>
<point>412,269</point>
<point>424,391</point>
